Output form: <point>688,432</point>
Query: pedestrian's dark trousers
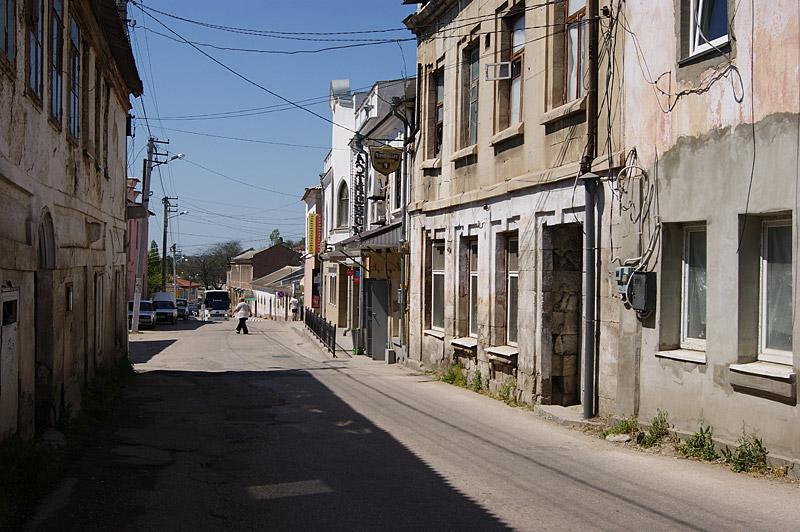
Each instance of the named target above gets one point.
<point>242,325</point>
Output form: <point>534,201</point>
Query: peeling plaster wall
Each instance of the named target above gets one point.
<point>700,155</point>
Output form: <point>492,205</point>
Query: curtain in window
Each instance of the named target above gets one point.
<point>696,289</point>
<point>779,288</point>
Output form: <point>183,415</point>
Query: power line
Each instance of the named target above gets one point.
<point>243,139</point>
<point>241,182</point>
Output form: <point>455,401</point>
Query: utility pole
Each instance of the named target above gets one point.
<point>174,270</point>
<point>168,209</point>
<point>590,183</point>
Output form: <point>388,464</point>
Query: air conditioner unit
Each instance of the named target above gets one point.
<point>498,71</point>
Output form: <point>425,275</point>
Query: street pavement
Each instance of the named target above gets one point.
<point>220,431</point>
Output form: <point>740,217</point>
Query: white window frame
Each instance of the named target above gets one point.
<point>696,344</point>
<point>509,275</point>
<point>435,273</point>
<point>697,42</point>
<point>473,275</point>
<point>332,279</point>
<point>765,354</point>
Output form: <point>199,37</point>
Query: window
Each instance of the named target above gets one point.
<point>106,102</point>
<point>437,286</point>
<point>97,113</point>
<point>8,28</point>
<point>776,313</point>
<point>332,288</point>
<point>343,206</point>
<point>512,287</point>
<point>398,189</point>
<point>693,292</point>
<point>708,25</point>
<point>56,59</point>
<point>471,73</point>
<point>473,288</point>
<point>84,89</point>
<point>35,36</point>
<point>438,132</point>
<point>575,49</point>
<point>517,62</point>
<point>74,78</point>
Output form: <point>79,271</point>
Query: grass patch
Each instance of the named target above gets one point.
<point>748,455</point>
<point>627,425</point>
<point>455,376</point>
<point>658,430</point>
<point>508,391</point>
<point>699,445</point>
<point>476,384</point>
<point>29,470</point>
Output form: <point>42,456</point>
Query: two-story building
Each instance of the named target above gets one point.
<point>66,75</point>
<point>254,264</point>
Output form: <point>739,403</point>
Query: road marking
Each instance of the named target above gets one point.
<point>288,489</point>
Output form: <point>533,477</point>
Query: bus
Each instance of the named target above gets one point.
<point>217,303</point>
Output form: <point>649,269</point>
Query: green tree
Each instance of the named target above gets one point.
<point>154,268</point>
<point>275,237</point>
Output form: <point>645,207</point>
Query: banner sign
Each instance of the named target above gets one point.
<point>359,181</point>
<point>311,238</point>
<point>386,159</point>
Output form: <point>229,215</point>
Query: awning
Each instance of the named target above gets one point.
<point>384,237</point>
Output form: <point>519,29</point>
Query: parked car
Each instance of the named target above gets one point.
<point>183,308</point>
<point>164,305</point>
<point>147,314</point>
<point>193,309</point>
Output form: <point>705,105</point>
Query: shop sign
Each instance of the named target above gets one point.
<point>386,159</point>
<point>359,180</point>
<point>311,238</point>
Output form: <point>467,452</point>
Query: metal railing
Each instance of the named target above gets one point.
<point>323,330</point>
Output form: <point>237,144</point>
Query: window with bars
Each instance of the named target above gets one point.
<point>56,59</point>
<point>471,76</point>
<point>74,78</point>
<point>8,29</point>
<point>34,23</point>
<point>512,289</point>
<point>575,49</point>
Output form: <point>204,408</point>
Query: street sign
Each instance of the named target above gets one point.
<point>386,159</point>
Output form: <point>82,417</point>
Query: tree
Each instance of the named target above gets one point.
<point>210,267</point>
<point>153,267</point>
<point>275,237</point>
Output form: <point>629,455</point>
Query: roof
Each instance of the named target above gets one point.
<point>278,275</point>
<point>186,283</point>
<point>247,255</point>
<point>113,27</point>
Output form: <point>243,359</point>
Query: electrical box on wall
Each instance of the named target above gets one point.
<point>622,275</point>
<point>641,293</point>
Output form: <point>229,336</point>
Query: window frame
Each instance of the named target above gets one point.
<point>75,72</point>
<point>436,273</point>
<point>695,35</point>
<point>470,56</point>
<point>332,280</point>
<point>438,112</point>
<point>509,275</point>
<point>516,56</point>
<point>34,44</point>
<point>577,19</point>
<point>766,354</point>
<point>473,288</point>
<point>686,342</point>
<point>340,201</point>
<point>55,63</point>
<point>8,23</point>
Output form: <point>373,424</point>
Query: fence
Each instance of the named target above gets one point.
<point>323,330</point>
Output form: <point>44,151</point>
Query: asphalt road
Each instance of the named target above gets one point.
<point>230,432</point>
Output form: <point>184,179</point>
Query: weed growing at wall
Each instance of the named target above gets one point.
<point>455,375</point>
<point>658,430</point>
<point>476,384</point>
<point>508,391</point>
<point>623,426</point>
<point>748,455</point>
<point>699,445</point>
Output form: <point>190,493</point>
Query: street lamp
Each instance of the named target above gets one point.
<point>174,250</point>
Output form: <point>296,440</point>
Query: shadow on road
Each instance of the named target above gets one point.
<point>143,351</point>
<point>254,450</point>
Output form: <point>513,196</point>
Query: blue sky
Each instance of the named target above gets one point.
<point>181,82</point>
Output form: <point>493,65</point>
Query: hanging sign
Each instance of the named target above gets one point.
<point>359,180</point>
<point>311,238</point>
<point>386,159</point>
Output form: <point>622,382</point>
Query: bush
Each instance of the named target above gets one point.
<point>658,430</point>
<point>699,445</point>
<point>508,390</point>
<point>455,375</point>
<point>476,384</point>
<point>627,425</point>
<point>748,455</point>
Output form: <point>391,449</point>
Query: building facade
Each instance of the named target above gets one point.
<point>312,278</point>
<point>716,136</point>
<point>256,263</point>
<point>66,75</point>
<point>496,209</point>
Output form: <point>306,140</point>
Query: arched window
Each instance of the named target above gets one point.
<point>343,206</point>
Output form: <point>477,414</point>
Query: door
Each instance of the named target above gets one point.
<point>9,363</point>
<point>377,315</point>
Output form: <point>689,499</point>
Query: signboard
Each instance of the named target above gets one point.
<point>359,181</point>
<point>318,237</point>
<point>386,159</point>
<point>311,238</point>
<point>249,299</point>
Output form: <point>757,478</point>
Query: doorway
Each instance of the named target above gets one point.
<point>377,317</point>
<point>44,387</point>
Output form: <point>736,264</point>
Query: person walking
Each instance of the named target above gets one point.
<point>243,312</point>
<point>294,306</point>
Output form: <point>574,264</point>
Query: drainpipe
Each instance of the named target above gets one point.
<point>590,182</point>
